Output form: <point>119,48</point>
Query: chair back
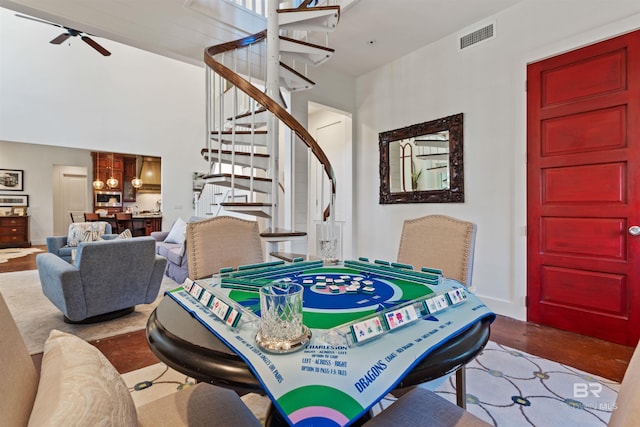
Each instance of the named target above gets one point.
<point>121,268</point>
<point>124,221</point>
<point>442,242</point>
<point>77,216</point>
<point>18,376</point>
<point>224,241</point>
<point>90,216</point>
<point>627,412</point>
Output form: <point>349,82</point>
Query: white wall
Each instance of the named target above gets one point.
<point>37,162</point>
<point>130,102</point>
<point>486,83</point>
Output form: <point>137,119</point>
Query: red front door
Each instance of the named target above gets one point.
<point>583,172</point>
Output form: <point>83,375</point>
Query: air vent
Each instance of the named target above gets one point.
<point>485,33</point>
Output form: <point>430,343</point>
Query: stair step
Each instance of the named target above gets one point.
<point>282,235</point>
<point>259,137</point>
<point>260,161</point>
<point>290,257</point>
<point>308,53</point>
<point>262,210</point>
<point>293,80</point>
<point>255,121</point>
<point>241,182</point>
<point>324,18</point>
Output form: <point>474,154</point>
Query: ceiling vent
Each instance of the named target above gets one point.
<point>480,35</point>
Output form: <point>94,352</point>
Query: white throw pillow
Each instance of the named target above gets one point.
<point>85,232</point>
<point>177,233</point>
<point>79,387</point>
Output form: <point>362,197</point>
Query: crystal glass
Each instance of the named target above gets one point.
<point>281,327</point>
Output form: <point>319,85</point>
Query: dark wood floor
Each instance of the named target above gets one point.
<point>130,351</point>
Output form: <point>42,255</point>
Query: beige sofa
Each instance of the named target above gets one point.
<point>78,386</point>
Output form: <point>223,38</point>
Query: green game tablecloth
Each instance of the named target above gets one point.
<point>333,384</point>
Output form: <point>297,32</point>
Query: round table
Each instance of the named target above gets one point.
<point>184,344</point>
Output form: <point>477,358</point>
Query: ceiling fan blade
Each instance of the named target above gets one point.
<point>88,40</point>
<point>38,20</point>
<point>60,39</point>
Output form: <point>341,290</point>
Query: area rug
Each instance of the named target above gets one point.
<point>507,387</point>
<point>10,253</point>
<point>156,381</point>
<point>36,316</point>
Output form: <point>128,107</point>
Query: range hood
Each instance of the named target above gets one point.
<point>151,175</point>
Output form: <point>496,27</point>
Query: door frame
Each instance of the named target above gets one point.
<point>58,217</point>
<point>516,307</point>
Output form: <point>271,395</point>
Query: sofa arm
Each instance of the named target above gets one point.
<point>159,235</point>
<point>109,236</point>
<point>54,243</point>
<point>62,284</point>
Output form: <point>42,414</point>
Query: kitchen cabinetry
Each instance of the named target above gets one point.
<point>106,166</point>
<point>14,232</point>
<point>129,172</point>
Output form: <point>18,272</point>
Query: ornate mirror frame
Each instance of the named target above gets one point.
<point>455,192</point>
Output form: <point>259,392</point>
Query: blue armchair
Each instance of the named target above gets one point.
<point>107,279</point>
<point>57,245</point>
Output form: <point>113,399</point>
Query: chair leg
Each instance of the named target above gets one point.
<point>461,387</point>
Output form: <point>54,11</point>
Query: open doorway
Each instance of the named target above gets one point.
<point>332,129</point>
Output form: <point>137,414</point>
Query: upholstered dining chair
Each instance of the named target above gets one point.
<point>445,243</point>
<point>221,242</point>
<point>441,242</point>
<point>77,385</point>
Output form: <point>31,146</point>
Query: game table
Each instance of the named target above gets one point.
<point>181,340</point>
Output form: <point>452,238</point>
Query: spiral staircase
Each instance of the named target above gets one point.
<point>249,127</point>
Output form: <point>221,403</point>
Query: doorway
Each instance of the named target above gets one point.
<point>583,146</point>
<point>332,129</point>
<point>70,194</point>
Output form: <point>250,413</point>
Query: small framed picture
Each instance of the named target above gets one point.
<point>5,211</point>
<point>14,200</point>
<point>19,210</point>
<point>11,180</point>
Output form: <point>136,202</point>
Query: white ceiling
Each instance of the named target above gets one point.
<point>370,32</point>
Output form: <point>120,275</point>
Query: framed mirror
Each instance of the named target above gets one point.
<point>423,163</point>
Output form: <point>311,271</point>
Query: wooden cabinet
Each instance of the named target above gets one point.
<point>14,232</point>
<point>107,165</point>
<point>129,172</point>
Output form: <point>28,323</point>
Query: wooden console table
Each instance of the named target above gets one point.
<point>14,232</point>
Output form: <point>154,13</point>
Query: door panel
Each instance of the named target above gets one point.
<point>583,146</point>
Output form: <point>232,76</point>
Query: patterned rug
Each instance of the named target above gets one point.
<point>505,387</point>
<point>7,254</point>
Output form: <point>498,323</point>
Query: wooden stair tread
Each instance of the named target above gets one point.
<point>289,257</point>
<point>228,175</point>
<point>229,152</point>
<point>281,232</point>
<point>254,204</point>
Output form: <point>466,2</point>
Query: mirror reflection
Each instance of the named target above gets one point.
<point>420,163</point>
<point>423,163</point>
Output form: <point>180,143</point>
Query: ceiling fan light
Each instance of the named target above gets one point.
<point>98,184</point>
<point>112,182</point>
<point>136,182</point>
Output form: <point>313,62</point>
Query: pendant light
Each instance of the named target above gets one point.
<point>112,182</point>
<point>98,184</point>
<point>136,183</point>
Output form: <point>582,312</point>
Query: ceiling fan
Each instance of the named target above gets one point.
<point>70,32</point>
